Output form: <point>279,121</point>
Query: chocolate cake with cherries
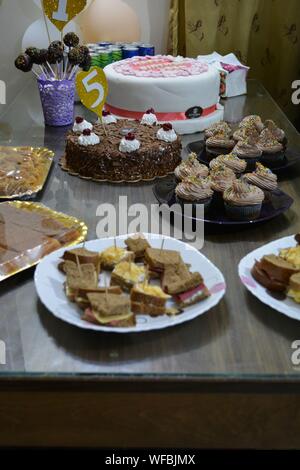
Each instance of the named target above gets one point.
<point>122,151</point>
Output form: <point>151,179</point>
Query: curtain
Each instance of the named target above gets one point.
<point>264,34</point>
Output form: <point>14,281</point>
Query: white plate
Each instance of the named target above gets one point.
<point>287,306</point>
<point>49,285</point>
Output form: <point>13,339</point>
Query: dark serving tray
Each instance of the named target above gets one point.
<point>292,156</point>
<point>278,203</point>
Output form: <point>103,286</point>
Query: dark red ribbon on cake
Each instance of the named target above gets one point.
<point>124,113</point>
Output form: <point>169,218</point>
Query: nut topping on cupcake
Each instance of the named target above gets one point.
<point>262,177</point>
<point>267,143</point>
<point>194,189</point>
<point>252,121</point>
<point>220,140</point>
<point>167,133</point>
<point>231,161</point>
<point>277,133</point>
<point>247,148</point>
<point>191,167</point>
<point>217,127</point>
<point>221,178</point>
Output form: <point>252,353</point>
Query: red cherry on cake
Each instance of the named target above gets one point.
<point>79,120</point>
<point>150,111</point>
<point>130,136</point>
<point>167,126</point>
<point>87,132</point>
<point>105,113</point>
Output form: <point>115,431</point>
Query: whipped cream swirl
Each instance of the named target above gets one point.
<point>86,140</point>
<point>167,136</point>
<point>149,119</point>
<point>79,127</point>
<point>129,146</point>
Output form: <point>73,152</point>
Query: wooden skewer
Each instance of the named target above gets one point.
<point>162,245</point>
<point>106,290</point>
<point>46,23</point>
<point>115,243</point>
<point>78,265</point>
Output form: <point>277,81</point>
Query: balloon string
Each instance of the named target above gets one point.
<point>46,23</point>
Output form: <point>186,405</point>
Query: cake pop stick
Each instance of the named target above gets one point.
<point>46,22</point>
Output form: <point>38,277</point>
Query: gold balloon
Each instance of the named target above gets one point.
<point>61,12</point>
<point>110,20</point>
<point>92,89</point>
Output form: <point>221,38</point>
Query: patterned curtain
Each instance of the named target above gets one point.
<point>264,34</point>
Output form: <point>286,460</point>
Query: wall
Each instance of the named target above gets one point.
<point>17,15</point>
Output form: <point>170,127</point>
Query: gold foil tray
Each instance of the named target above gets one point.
<point>68,222</point>
<point>23,171</point>
<point>64,167</point>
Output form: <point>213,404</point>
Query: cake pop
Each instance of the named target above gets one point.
<point>86,64</point>
<point>71,40</point>
<point>24,63</point>
<point>56,51</point>
<point>33,53</point>
<point>76,56</point>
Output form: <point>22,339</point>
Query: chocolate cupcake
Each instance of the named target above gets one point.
<point>247,131</point>
<point>190,167</point>
<point>253,121</point>
<point>217,127</point>
<point>222,178</point>
<point>243,201</point>
<point>272,150</point>
<point>231,161</point>
<point>276,132</point>
<point>219,144</point>
<point>263,178</point>
<point>193,190</point>
<point>249,151</point>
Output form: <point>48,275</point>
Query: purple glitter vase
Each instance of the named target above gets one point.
<point>57,97</point>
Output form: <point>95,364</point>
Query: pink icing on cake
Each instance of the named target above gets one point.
<point>160,66</point>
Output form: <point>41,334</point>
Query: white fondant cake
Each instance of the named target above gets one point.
<point>182,91</point>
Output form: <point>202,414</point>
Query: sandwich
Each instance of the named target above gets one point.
<point>148,299</point>
<point>294,287</point>
<point>186,288</point>
<point>82,294</point>
<point>127,274</point>
<point>81,256</point>
<point>137,245</point>
<point>78,277</point>
<point>273,272</point>
<point>292,255</point>
<point>157,260</point>
<point>109,310</point>
<point>113,256</point>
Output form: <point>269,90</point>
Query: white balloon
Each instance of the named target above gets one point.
<point>36,34</point>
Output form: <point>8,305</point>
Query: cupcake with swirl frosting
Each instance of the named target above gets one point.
<point>219,144</point>
<point>231,161</point>
<point>217,127</point>
<point>246,131</point>
<point>222,178</point>
<point>263,178</point>
<point>193,190</point>
<point>248,150</point>
<point>253,121</point>
<point>272,150</point>
<point>277,133</point>
<point>243,201</point>
<point>191,167</point>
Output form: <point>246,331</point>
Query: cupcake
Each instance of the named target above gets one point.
<point>243,201</point>
<point>191,167</point>
<point>231,161</point>
<point>272,150</point>
<point>222,178</point>
<point>219,144</point>
<point>249,151</point>
<point>263,178</point>
<point>276,132</point>
<point>247,131</point>
<point>253,121</point>
<point>193,190</point>
<point>217,127</point>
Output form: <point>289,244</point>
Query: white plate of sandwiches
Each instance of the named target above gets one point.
<point>272,274</point>
<point>129,284</point>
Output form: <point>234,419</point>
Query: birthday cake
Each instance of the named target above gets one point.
<point>181,90</point>
<point>123,150</point>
